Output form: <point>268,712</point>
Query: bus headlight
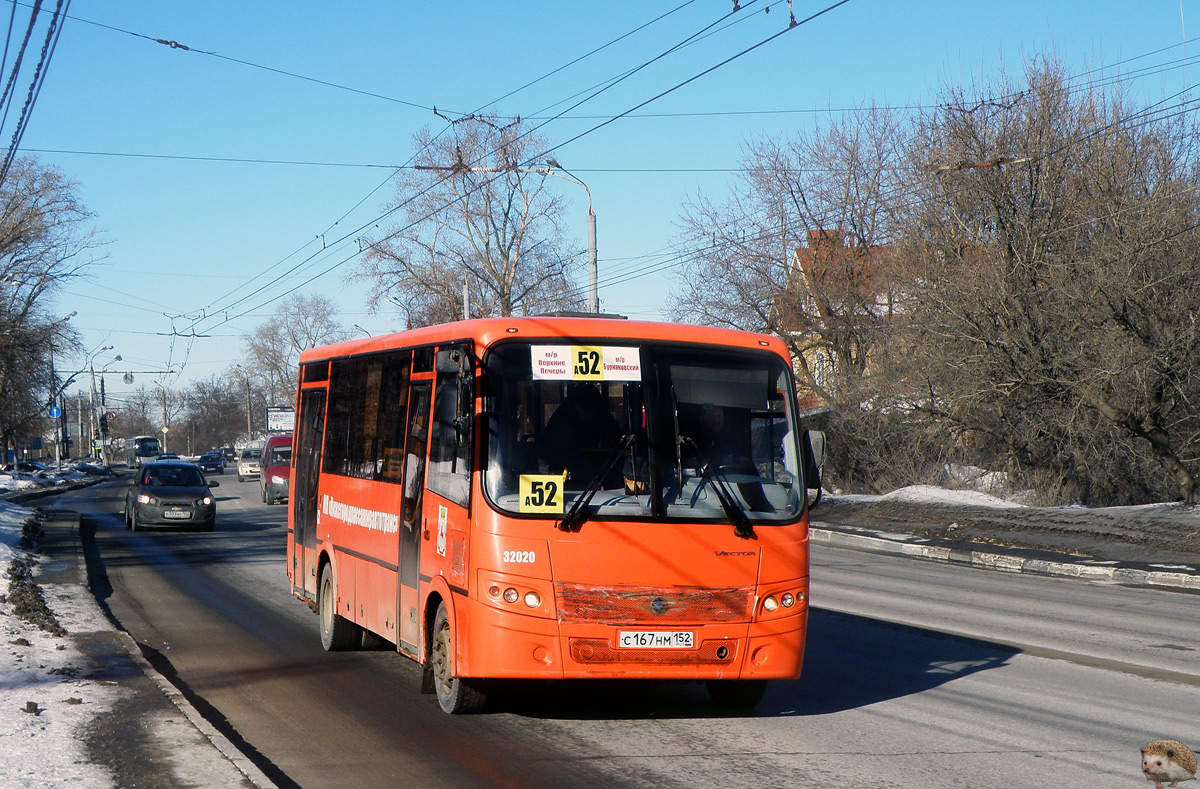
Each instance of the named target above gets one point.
<point>533,599</point>
<point>788,600</point>
<point>770,604</point>
<point>510,595</point>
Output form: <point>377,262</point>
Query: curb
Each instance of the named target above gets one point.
<point>912,546</point>
<point>227,749</point>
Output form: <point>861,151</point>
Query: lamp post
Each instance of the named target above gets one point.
<point>165,428</point>
<point>593,270</point>
<point>103,417</point>
<point>55,392</point>
<point>97,429</point>
<point>551,166</point>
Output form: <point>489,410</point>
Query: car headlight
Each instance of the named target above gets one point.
<point>277,480</point>
<point>205,501</point>
<point>146,498</point>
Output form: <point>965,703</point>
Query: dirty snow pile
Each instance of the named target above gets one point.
<point>45,699</point>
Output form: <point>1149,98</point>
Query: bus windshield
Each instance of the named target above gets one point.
<point>642,431</point>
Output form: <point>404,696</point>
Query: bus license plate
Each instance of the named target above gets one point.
<point>176,514</point>
<point>655,639</point>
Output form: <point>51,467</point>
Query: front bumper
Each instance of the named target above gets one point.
<point>179,515</point>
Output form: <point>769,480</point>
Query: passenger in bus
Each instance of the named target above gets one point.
<point>579,433</point>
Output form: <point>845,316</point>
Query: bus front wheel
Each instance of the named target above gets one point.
<point>454,694</point>
<point>736,694</point>
<point>337,632</point>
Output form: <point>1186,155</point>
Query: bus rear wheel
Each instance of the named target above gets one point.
<point>455,695</point>
<point>337,632</point>
<point>736,694</point>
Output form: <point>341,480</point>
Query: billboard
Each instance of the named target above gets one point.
<point>280,420</point>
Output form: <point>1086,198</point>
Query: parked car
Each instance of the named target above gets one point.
<point>275,464</point>
<point>212,463</point>
<point>248,463</point>
<point>170,492</point>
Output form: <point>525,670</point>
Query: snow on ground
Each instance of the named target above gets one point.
<point>931,495</point>
<point>44,706</point>
<point>17,480</point>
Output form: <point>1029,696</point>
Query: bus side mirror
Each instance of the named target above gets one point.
<point>453,360</point>
<point>814,458</point>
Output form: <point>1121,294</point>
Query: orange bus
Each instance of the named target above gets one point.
<point>555,497</point>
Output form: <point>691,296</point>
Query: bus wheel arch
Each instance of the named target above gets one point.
<point>337,632</point>
<point>455,694</point>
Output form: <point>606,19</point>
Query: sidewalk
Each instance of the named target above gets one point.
<point>152,736</point>
<point>1008,559</point>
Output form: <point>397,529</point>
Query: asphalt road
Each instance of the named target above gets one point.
<point>916,674</point>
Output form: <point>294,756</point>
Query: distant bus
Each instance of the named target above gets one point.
<point>555,498</point>
<point>141,450</point>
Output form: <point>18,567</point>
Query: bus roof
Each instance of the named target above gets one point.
<point>485,331</point>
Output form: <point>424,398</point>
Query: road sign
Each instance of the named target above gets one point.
<point>55,412</point>
<point>111,415</point>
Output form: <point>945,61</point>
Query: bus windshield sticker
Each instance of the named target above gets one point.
<point>542,493</point>
<point>585,363</point>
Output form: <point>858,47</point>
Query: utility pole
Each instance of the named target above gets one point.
<point>249,421</point>
<point>103,424</point>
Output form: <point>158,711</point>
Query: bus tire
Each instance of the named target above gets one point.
<point>455,695</point>
<point>736,694</point>
<point>337,632</point>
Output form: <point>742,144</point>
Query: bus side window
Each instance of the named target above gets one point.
<point>452,437</point>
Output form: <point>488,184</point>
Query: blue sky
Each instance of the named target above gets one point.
<point>210,166</point>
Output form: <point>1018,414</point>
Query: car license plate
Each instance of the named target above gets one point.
<point>655,639</point>
<point>176,514</point>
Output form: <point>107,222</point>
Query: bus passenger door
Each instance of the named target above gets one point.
<point>304,493</point>
<point>415,452</point>
<point>447,522</point>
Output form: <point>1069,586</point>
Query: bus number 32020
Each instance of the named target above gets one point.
<point>523,557</point>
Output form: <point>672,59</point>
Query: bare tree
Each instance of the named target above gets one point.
<point>44,243</point>
<point>804,250</point>
<point>273,348</point>
<point>1056,244</point>
<point>800,250</point>
<point>214,412</point>
<point>475,212</point>
<point>138,414</point>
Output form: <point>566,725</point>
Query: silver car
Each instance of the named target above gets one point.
<point>248,464</point>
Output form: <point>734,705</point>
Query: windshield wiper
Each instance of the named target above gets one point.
<point>742,525</point>
<point>574,517</point>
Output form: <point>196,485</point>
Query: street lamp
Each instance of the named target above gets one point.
<point>102,419</point>
<point>165,428</point>
<point>593,271</point>
<point>55,410</point>
<point>549,169</point>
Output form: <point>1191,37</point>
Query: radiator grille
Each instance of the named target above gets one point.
<point>648,605</point>
<point>598,650</point>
